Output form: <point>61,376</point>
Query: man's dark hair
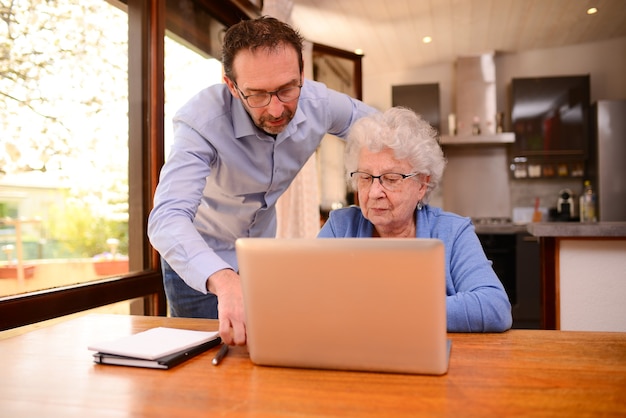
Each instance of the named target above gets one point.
<point>263,32</point>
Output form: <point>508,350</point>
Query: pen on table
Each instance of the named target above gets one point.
<point>220,354</point>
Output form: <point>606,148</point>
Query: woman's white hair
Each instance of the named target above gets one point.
<point>409,136</point>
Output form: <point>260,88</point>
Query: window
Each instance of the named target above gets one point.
<point>65,136</point>
<point>92,154</point>
<point>186,72</point>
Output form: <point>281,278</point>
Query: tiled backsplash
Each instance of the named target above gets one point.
<point>478,183</point>
<point>524,192</point>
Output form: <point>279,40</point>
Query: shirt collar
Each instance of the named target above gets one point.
<point>242,123</point>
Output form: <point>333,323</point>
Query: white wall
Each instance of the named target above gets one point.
<point>605,61</point>
<point>592,285</point>
<point>377,88</point>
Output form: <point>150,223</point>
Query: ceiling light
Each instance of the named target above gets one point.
<point>592,11</point>
<point>427,39</point>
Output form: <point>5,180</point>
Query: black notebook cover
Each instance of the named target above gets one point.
<point>166,362</point>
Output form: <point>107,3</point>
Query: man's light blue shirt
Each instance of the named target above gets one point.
<point>224,175</point>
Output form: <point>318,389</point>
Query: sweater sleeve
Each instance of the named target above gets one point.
<point>476,300</point>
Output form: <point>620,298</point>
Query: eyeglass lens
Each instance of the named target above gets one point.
<point>390,181</point>
<point>285,95</point>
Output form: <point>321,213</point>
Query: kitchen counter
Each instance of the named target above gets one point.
<point>504,228</point>
<point>577,229</point>
<point>582,275</point>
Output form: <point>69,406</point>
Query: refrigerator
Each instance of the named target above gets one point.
<point>607,158</point>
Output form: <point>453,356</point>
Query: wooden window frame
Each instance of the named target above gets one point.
<point>146,22</point>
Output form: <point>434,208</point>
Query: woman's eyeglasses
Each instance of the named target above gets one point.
<point>390,181</point>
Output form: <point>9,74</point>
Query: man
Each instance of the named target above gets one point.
<point>237,147</point>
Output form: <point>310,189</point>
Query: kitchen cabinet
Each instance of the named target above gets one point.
<point>423,99</point>
<point>527,310</point>
<point>582,271</point>
<point>550,118</point>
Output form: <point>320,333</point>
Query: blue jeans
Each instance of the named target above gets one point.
<point>185,301</point>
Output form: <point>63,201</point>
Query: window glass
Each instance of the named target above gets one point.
<point>64,148</point>
<point>187,71</point>
<point>192,49</point>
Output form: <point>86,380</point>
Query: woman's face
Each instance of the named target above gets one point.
<point>391,212</point>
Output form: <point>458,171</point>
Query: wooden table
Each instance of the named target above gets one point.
<point>49,373</point>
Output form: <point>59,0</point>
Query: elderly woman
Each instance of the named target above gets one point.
<point>394,162</point>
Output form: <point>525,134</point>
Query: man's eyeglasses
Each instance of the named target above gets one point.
<point>285,95</point>
<point>390,181</point>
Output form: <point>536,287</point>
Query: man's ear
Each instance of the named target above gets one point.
<point>231,87</point>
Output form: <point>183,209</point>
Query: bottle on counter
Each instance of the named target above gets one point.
<point>587,205</point>
<point>476,126</point>
<point>499,122</point>
<point>451,124</point>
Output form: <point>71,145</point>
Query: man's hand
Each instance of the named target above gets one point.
<point>227,286</point>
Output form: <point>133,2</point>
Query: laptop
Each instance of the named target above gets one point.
<point>345,303</point>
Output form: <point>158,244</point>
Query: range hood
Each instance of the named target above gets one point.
<point>476,112</point>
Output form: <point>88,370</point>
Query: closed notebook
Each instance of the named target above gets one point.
<point>157,347</point>
<point>166,362</point>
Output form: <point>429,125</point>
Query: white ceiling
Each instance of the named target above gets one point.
<point>390,32</point>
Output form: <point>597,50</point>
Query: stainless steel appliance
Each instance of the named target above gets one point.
<point>607,162</point>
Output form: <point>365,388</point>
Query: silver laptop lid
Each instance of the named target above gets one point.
<point>351,303</point>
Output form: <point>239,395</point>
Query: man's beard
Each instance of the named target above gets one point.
<point>264,125</point>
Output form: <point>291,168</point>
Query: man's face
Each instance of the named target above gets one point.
<point>265,71</point>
